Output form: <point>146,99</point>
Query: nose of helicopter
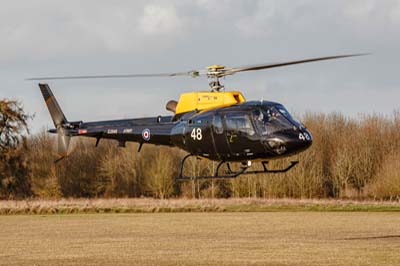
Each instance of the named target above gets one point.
<point>307,138</point>
<point>300,140</point>
<point>290,142</point>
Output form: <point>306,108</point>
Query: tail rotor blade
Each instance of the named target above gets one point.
<point>63,143</point>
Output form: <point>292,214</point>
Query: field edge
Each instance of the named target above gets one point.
<point>146,205</point>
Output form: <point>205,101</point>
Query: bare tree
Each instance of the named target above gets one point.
<point>14,168</point>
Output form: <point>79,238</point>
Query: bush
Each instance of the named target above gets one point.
<point>349,158</point>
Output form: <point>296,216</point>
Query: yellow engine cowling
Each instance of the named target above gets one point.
<point>207,100</point>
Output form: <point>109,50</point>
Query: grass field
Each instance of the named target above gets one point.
<point>150,205</point>
<point>249,238</point>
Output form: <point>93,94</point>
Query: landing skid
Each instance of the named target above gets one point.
<point>230,173</point>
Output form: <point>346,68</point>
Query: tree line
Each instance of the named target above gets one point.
<point>350,158</point>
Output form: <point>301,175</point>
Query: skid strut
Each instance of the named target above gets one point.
<point>230,173</point>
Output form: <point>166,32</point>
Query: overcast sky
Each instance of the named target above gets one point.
<point>50,37</point>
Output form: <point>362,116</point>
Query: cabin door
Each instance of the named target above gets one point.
<point>220,138</point>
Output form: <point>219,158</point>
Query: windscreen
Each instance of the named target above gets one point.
<point>270,119</point>
<point>288,116</point>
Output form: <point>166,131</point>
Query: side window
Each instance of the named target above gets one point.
<point>239,123</point>
<point>231,122</point>
<point>218,127</point>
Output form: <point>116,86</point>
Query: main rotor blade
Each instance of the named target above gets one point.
<point>193,73</point>
<point>231,71</point>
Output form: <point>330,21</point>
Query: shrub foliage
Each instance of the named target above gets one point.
<point>350,158</point>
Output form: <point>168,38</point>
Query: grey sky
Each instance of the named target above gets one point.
<point>49,37</point>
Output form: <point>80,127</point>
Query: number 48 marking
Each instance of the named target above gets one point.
<point>304,136</point>
<point>196,134</point>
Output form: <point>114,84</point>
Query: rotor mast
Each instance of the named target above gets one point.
<point>214,73</point>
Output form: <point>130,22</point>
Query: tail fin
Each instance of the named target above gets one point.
<point>58,119</point>
<point>55,111</point>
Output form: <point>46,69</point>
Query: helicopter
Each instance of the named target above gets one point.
<point>217,125</point>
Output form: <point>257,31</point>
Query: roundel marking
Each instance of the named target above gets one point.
<point>146,134</point>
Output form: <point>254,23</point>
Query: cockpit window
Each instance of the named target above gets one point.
<point>272,119</point>
<point>239,123</point>
<point>286,114</point>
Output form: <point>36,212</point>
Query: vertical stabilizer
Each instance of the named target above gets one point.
<point>58,119</point>
<point>55,111</point>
